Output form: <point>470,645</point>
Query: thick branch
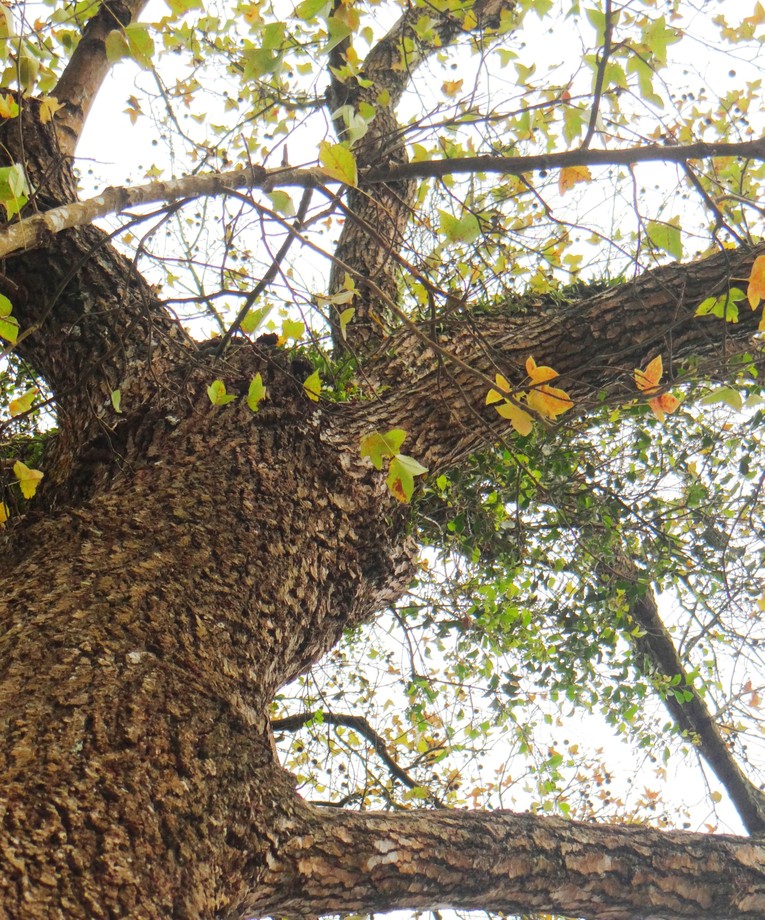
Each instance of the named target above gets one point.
<point>35,231</point>
<point>345,862</point>
<point>656,656</point>
<point>87,69</point>
<point>385,207</point>
<point>437,390</point>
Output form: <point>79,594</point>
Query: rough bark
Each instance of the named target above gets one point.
<point>346,862</point>
<point>189,559</point>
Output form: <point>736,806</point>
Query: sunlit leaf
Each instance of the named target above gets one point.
<point>256,392</point>
<point>338,162</point>
<point>254,319</point>
<point>755,291</point>
<point>9,326</point>
<point>378,446</point>
<point>218,395</point>
<point>571,175</point>
<point>666,236</point>
<point>521,421</point>
<point>22,403</point>
<point>312,386</point>
<point>345,317</point>
<point>28,479</point>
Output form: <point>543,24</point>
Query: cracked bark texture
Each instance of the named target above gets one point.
<point>186,560</point>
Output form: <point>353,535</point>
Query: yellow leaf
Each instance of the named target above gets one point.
<point>450,88</point>
<point>518,418</point>
<point>648,379</point>
<point>4,513</point>
<point>8,107</point>
<point>28,479</point>
<point>539,373</point>
<point>22,403</point>
<point>49,105</point>
<point>549,402</point>
<point>312,386</point>
<point>338,162</point>
<point>570,175</point>
<point>755,292</point>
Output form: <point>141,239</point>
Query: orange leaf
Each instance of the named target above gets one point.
<point>648,379</point>
<point>549,402</point>
<point>570,175</point>
<point>755,292</point>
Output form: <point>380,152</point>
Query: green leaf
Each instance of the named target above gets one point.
<point>116,397</point>
<point>401,475</point>
<point>117,46</point>
<point>666,237</point>
<point>9,325</point>
<point>411,465</point>
<point>723,307</point>
<point>256,393</point>
<point>282,202</point>
<point>338,162</point>
<point>459,230</point>
<point>140,44</point>
<point>345,317</point>
<point>312,386</point>
<point>310,9</point>
<point>377,446</point>
<point>218,395</point>
<point>254,318</point>
<point>14,190</point>
<point>726,395</point>
<point>400,481</point>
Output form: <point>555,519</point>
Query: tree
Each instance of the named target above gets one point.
<point>213,516</point>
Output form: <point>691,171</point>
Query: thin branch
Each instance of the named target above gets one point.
<point>656,656</point>
<point>356,723</point>
<point>600,76</point>
<point>270,274</point>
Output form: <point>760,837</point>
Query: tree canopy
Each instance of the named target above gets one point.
<point>381,400</point>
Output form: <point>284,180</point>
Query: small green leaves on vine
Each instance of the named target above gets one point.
<point>218,395</point>
<point>28,479</point>
<point>402,469</point>
<point>256,393</point>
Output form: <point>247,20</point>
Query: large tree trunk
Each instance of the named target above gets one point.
<point>186,560</point>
